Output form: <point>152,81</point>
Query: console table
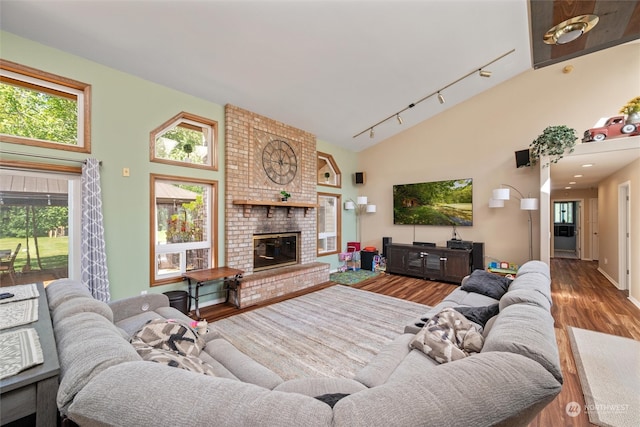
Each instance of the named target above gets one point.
<point>231,283</point>
<point>34,390</point>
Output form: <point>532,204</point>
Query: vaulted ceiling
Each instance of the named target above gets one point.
<point>332,68</point>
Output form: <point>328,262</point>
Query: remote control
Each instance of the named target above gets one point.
<point>6,295</point>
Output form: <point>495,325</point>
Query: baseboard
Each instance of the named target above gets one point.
<point>634,301</point>
<point>609,278</point>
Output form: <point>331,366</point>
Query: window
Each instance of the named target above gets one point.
<point>563,212</point>
<point>328,173</point>
<point>329,223</point>
<point>40,211</point>
<point>183,212</point>
<point>186,140</point>
<point>42,109</point>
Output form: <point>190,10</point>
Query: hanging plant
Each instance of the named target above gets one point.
<point>553,142</point>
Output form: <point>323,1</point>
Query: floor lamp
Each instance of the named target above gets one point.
<point>526,204</point>
<point>360,206</point>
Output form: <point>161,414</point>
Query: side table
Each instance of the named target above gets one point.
<point>231,283</point>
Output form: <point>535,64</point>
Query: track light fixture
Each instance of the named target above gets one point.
<point>482,72</point>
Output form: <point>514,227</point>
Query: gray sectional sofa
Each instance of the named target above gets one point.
<point>105,382</point>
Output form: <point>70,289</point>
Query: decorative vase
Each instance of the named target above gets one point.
<point>633,118</point>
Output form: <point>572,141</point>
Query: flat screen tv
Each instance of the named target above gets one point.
<point>434,203</point>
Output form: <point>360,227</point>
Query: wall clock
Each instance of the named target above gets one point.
<point>279,162</point>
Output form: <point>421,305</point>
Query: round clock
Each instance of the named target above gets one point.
<point>279,162</point>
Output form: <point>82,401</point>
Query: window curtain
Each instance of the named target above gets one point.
<point>93,266</point>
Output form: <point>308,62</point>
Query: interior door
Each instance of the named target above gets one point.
<point>593,226</point>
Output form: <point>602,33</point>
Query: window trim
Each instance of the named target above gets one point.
<point>190,121</point>
<point>32,78</point>
<point>338,201</point>
<point>212,226</point>
<point>333,166</point>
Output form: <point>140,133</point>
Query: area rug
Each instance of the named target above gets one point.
<point>19,350</point>
<point>350,277</point>
<point>333,332</point>
<point>609,371</point>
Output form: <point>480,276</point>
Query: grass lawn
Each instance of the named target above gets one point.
<point>54,251</point>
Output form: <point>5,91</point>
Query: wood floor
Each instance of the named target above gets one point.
<point>582,297</point>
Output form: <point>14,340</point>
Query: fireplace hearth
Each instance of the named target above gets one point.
<point>275,250</point>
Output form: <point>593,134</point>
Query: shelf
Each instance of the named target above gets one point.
<point>271,205</point>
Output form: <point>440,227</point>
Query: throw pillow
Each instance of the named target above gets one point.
<point>485,283</point>
<point>170,335</point>
<point>479,315</point>
<point>175,360</point>
<point>448,336</point>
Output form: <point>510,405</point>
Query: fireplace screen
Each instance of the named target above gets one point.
<point>274,250</point>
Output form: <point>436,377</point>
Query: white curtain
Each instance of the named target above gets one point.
<point>93,266</point>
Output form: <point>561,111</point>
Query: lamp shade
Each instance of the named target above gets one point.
<point>362,200</point>
<point>529,204</point>
<point>495,203</point>
<point>371,208</point>
<point>501,194</point>
<point>349,205</point>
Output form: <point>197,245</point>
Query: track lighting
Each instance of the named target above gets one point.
<point>438,94</point>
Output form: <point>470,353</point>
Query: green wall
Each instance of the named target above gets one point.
<point>125,109</point>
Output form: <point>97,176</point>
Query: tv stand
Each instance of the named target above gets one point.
<point>432,263</point>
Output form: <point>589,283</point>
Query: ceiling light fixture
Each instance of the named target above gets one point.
<point>587,165</point>
<point>399,119</point>
<point>569,30</point>
<point>577,176</point>
<point>437,92</point>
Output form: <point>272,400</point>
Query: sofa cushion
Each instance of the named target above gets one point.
<point>534,266</point>
<point>485,283</point>
<point>81,304</point>
<point>132,324</point>
<point>526,330</point>
<point>524,296</point>
<point>448,336</point>
<point>62,290</point>
<point>385,362</point>
<point>242,366</point>
<point>87,344</point>
<point>479,315</point>
<point>533,281</point>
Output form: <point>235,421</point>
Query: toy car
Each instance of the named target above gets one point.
<point>613,127</point>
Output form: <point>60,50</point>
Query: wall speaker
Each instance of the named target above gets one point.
<point>385,241</point>
<point>359,178</point>
<point>522,158</point>
<point>477,256</point>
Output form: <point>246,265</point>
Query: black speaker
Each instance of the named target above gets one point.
<point>477,256</point>
<point>385,241</point>
<point>359,178</point>
<point>522,158</point>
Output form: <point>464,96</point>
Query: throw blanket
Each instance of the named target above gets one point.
<point>448,336</point>
<point>171,343</point>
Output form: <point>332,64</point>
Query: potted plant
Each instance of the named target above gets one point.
<point>285,195</point>
<point>553,142</point>
<point>632,110</point>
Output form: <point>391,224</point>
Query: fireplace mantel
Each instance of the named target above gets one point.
<point>271,205</point>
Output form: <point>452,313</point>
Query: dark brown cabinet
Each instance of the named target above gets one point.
<point>434,263</point>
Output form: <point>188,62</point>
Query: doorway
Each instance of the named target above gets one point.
<point>567,229</point>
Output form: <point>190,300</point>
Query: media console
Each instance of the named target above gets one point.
<point>433,263</point>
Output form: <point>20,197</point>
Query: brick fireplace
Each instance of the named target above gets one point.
<point>253,205</point>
